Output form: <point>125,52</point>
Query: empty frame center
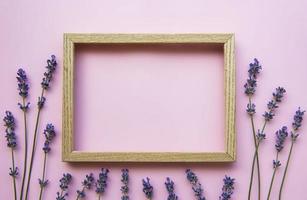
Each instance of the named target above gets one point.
<point>149,98</point>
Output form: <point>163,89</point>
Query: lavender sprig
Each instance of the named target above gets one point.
<point>64,183</point>
<point>250,89</point>
<point>296,124</point>
<point>9,123</point>
<point>281,136</point>
<point>48,75</point>
<point>147,188</point>
<point>125,181</point>
<point>49,134</point>
<point>196,186</point>
<point>169,184</point>
<point>101,182</point>
<point>23,88</point>
<point>228,188</point>
<point>87,184</point>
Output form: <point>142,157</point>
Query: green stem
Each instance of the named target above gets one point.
<point>33,148</point>
<point>286,169</point>
<point>272,180</point>
<point>256,156</point>
<point>14,178</point>
<point>43,179</point>
<point>26,150</point>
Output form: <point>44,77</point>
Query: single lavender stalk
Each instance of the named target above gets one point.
<point>64,183</point>
<point>169,184</point>
<point>281,136</point>
<point>51,66</point>
<point>268,116</point>
<point>9,123</point>
<point>196,186</point>
<point>124,188</point>
<point>147,188</point>
<point>23,89</point>
<point>250,89</point>
<point>297,123</point>
<point>49,135</point>
<point>228,188</point>
<point>101,182</point>
<point>86,184</point>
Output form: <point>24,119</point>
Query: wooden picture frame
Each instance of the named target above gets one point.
<point>71,155</point>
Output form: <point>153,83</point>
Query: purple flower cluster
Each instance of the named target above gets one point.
<point>297,119</point>
<point>101,182</point>
<point>125,180</point>
<point>276,164</point>
<point>273,104</point>
<point>281,136</point>
<point>9,123</point>
<point>196,186</point>
<point>49,135</point>
<point>51,66</point>
<point>228,188</point>
<point>251,83</point>
<point>64,183</point>
<point>169,184</point>
<point>87,184</point>
<point>260,135</point>
<point>147,188</point>
<point>22,80</point>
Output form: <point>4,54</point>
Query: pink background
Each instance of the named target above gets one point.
<point>272,31</point>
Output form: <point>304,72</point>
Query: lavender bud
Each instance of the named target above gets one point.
<point>51,66</point>
<point>22,81</point>
<point>101,182</point>
<point>147,188</point>
<point>228,188</point>
<point>281,136</point>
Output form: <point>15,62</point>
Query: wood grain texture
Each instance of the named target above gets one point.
<point>68,153</point>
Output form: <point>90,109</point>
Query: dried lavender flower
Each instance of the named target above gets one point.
<point>281,136</point>
<point>251,109</point>
<point>87,184</point>
<point>125,180</point>
<point>147,188</point>
<point>41,102</point>
<point>273,104</point>
<point>9,123</point>
<point>276,164</point>
<point>260,136</point>
<point>279,94</point>
<point>169,184</point>
<point>297,119</point>
<point>228,188</point>
<point>251,83</point>
<point>22,80</point>
<point>64,183</point>
<point>196,186</point>
<point>101,182</point>
<point>49,135</point>
<point>51,66</point>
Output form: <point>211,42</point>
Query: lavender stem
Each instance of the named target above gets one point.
<point>272,180</point>
<point>26,149</point>
<point>43,179</point>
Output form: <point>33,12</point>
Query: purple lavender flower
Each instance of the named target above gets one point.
<point>276,164</point>
<point>228,188</point>
<point>273,104</point>
<point>251,109</point>
<point>43,183</point>
<point>260,135</point>
<point>281,136</point>
<point>22,80</point>
<point>297,119</point>
<point>279,94</point>
<point>196,186</point>
<point>147,188</point>
<point>51,66</point>
<point>87,184</point>
<point>125,180</point>
<point>49,135</point>
<point>9,123</point>
<point>101,182</point>
<point>169,184</point>
<point>41,102</point>
<point>64,183</point>
<point>251,83</point>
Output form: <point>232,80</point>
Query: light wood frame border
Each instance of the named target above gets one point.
<point>68,152</point>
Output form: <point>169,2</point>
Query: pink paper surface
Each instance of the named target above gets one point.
<point>149,98</point>
<point>273,31</point>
